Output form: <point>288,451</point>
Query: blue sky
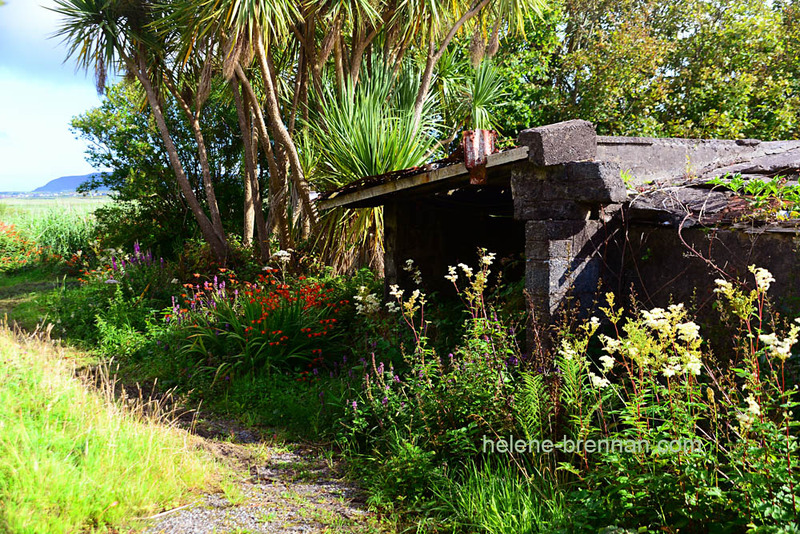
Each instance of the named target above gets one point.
<point>39,94</point>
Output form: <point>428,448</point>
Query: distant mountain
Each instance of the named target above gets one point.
<point>65,184</point>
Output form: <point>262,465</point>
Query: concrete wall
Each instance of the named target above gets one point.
<point>649,158</point>
<point>654,264</point>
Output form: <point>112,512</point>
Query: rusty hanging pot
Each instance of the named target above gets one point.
<point>477,145</point>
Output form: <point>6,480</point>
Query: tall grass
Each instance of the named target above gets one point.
<point>498,499</point>
<point>74,459</point>
<point>60,232</point>
<point>55,225</point>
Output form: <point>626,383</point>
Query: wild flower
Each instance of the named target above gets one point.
<point>688,331</point>
<point>395,291</point>
<point>669,371</point>
<point>753,406</point>
<point>413,271</point>
<point>694,365</point>
<point>763,278</point>
<point>599,382</point>
<point>745,421</point>
<point>608,363</point>
<point>467,269</point>
<point>452,274</point>
<point>366,303</point>
<point>487,259</point>
<point>282,256</point>
<point>781,348</point>
<point>568,351</point>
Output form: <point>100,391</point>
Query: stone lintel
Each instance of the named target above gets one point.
<point>572,191</point>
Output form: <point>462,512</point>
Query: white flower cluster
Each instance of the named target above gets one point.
<point>488,259</point>
<point>608,362</point>
<point>781,348</point>
<point>674,352</point>
<point>395,291</point>
<point>452,274</point>
<point>598,381</point>
<point>411,269</point>
<point>416,300</point>
<point>763,278</point>
<point>747,418</point>
<point>467,269</point>
<point>282,256</point>
<point>723,286</point>
<point>366,303</point>
<point>567,350</point>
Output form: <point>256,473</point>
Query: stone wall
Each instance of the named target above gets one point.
<point>657,265</point>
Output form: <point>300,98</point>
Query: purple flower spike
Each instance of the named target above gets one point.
<point>136,247</point>
<point>114,262</point>
<point>385,401</point>
<point>355,405</point>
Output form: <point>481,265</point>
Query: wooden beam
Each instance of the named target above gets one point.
<point>373,196</point>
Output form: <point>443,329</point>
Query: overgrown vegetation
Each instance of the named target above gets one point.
<point>212,273</point>
<point>647,430</point>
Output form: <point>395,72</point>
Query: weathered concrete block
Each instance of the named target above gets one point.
<point>559,210</point>
<point>570,191</point>
<point>595,182</point>
<point>562,259</point>
<point>562,142</point>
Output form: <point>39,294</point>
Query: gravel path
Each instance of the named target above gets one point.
<point>280,489</point>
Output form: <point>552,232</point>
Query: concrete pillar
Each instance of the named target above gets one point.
<point>565,199</point>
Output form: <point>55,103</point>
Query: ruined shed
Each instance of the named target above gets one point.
<point>559,199</point>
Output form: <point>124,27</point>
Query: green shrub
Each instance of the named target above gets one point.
<point>440,406</point>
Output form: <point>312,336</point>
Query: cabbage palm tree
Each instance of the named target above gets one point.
<point>252,28</point>
<point>118,34</point>
<point>367,129</point>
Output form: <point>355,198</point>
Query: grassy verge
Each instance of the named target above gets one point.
<point>73,459</point>
<point>23,296</point>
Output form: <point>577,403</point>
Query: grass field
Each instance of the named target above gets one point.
<point>73,458</point>
<point>18,207</point>
<point>59,225</point>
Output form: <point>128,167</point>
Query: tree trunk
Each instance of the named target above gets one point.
<point>282,136</point>
<point>277,185</point>
<point>261,225</point>
<point>249,204</point>
<point>202,154</point>
<point>218,247</point>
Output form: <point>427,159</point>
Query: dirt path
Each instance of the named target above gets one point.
<point>280,489</point>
